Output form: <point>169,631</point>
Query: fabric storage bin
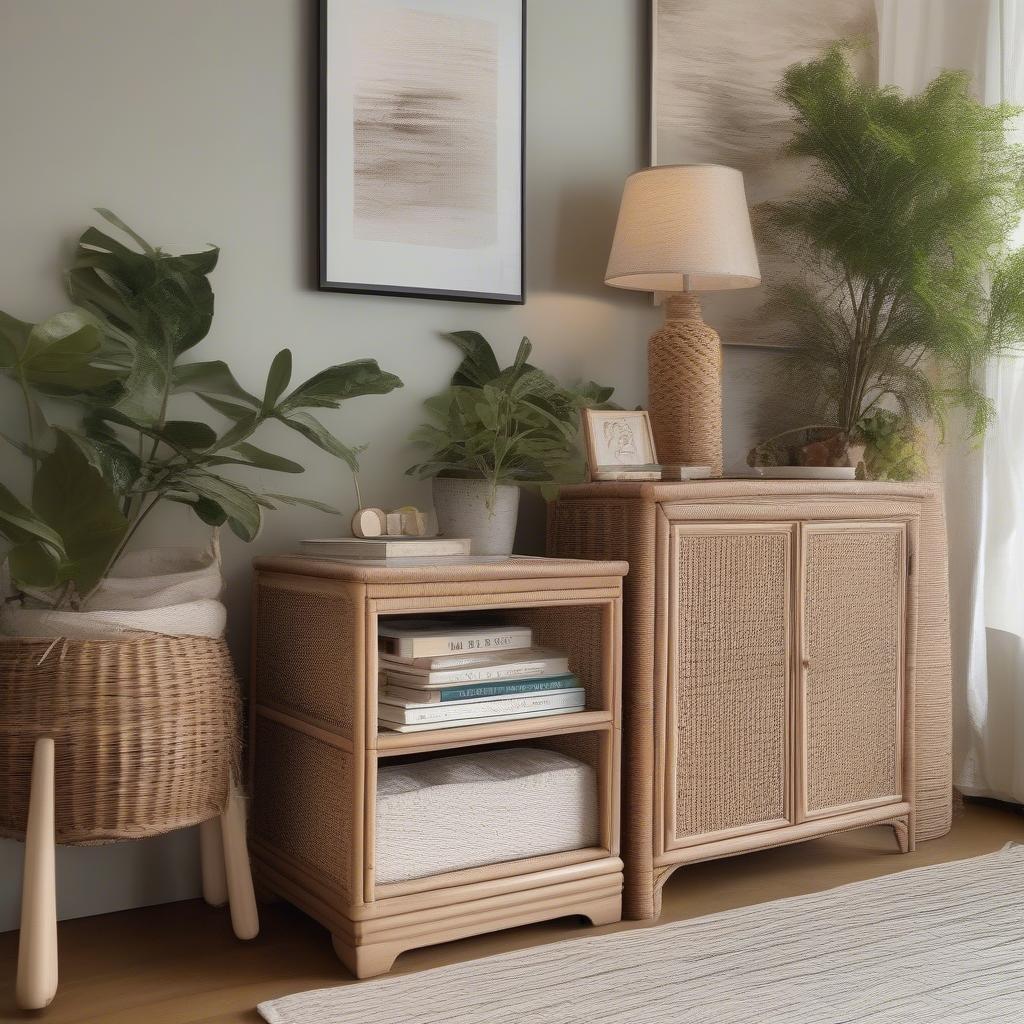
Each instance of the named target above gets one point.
<point>481,808</point>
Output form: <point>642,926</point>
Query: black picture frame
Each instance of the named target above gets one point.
<point>363,288</point>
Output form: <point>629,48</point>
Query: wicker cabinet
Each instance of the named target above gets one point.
<point>728,683</point>
<point>786,666</point>
<point>316,750</point>
<point>852,685</point>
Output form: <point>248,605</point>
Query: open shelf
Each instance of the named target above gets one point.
<point>584,631</point>
<point>596,747</point>
<point>493,732</point>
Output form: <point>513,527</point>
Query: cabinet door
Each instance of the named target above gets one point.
<point>729,680</point>
<point>850,693</point>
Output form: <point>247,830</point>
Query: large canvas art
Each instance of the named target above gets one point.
<point>715,67</point>
<point>421,148</point>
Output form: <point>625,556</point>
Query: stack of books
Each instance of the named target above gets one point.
<point>437,674</point>
<point>390,550</point>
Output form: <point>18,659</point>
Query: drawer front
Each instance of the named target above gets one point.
<point>729,674</point>
<point>854,580</point>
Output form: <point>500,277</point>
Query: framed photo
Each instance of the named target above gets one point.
<point>619,442</point>
<point>422,112</point>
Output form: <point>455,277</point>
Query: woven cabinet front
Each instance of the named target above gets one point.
<point>303,798</point>
<point>732,678</point>
<point>306,659</point>
<point>853,625</point>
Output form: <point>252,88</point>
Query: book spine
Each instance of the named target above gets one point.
<point>436,646</point>
<point>480,691</point>
<point>424,726</point>
<point>484,709</point>
<point>388,549</point>
<point>449,693</point>
<point>490,674</point>
<point>486,674</point>
<point>425,548</point>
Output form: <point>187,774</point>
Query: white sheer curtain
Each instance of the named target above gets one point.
<point>984,487</point>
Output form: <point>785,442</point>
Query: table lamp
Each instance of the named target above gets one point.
<point>684,229</point>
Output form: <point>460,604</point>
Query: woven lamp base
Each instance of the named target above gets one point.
<point>684,366</point>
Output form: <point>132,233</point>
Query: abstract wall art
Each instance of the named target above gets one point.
<point>421,148</point>
<point>715,68</point>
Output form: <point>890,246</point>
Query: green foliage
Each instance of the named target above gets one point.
<point>512,425</point>
<point>72,498</point>
<point>115,355</point>
<point>893,449</point>
<point>905,223</point>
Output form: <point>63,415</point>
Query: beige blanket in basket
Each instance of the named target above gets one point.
<point>175,591</point>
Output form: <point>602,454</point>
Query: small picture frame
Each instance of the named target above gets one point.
<point>620,442</point>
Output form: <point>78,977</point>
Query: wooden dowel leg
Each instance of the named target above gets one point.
<point>244,916</point>
<point>211,860</point>
<point>37,943</point>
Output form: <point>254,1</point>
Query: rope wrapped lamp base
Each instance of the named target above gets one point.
<point>684,365</point>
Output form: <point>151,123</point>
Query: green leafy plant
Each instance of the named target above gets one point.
<point>116,357</point>
<point>893,448</point>
<point>511,425</point>
<point>909,283</point>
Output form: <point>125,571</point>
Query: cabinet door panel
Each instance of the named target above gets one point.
<point>851,678</point>
<point>729,680</point>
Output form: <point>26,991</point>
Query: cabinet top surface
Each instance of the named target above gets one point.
<point>702,490</point>
<point>484,568</point>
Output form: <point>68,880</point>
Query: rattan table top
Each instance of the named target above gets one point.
<point>740,486</point>
<point>473,568</point>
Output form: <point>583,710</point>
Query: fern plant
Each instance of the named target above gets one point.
<point>511,425</point>
<point>116,357</point>
<point>908,281</point>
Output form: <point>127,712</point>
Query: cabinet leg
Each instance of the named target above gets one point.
<point>641,897</point>
<point>211,859</point>
<point>607,911</point>
<point>901,829</point>
<point>241,896</point>
<point>37,943</point>
<point>365,961</point>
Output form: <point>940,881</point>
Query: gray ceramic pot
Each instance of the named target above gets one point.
<point>464,510</point>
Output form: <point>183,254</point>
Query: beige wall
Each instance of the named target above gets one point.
<point>193,119</point>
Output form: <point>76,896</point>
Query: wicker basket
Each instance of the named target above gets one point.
<point>146,731</point>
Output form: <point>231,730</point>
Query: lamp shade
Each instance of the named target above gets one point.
<point>683,228</point>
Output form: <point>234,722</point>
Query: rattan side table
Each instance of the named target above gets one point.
<point>316,748</point>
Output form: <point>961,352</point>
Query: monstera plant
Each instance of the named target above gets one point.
<point>117,356</point>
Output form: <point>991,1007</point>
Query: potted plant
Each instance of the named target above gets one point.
<point>909,282</point>
<point>494,430</point>
<point>125,671</point>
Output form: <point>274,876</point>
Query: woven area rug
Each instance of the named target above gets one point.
<point>935,945</point>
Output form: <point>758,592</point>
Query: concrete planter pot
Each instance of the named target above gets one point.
<point>464,509</point>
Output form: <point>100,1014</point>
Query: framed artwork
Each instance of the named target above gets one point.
<point>619,440</point>
<point>422,112</point>
<point>715,66</point>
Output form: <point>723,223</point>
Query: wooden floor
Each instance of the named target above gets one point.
<point>179,964</point>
